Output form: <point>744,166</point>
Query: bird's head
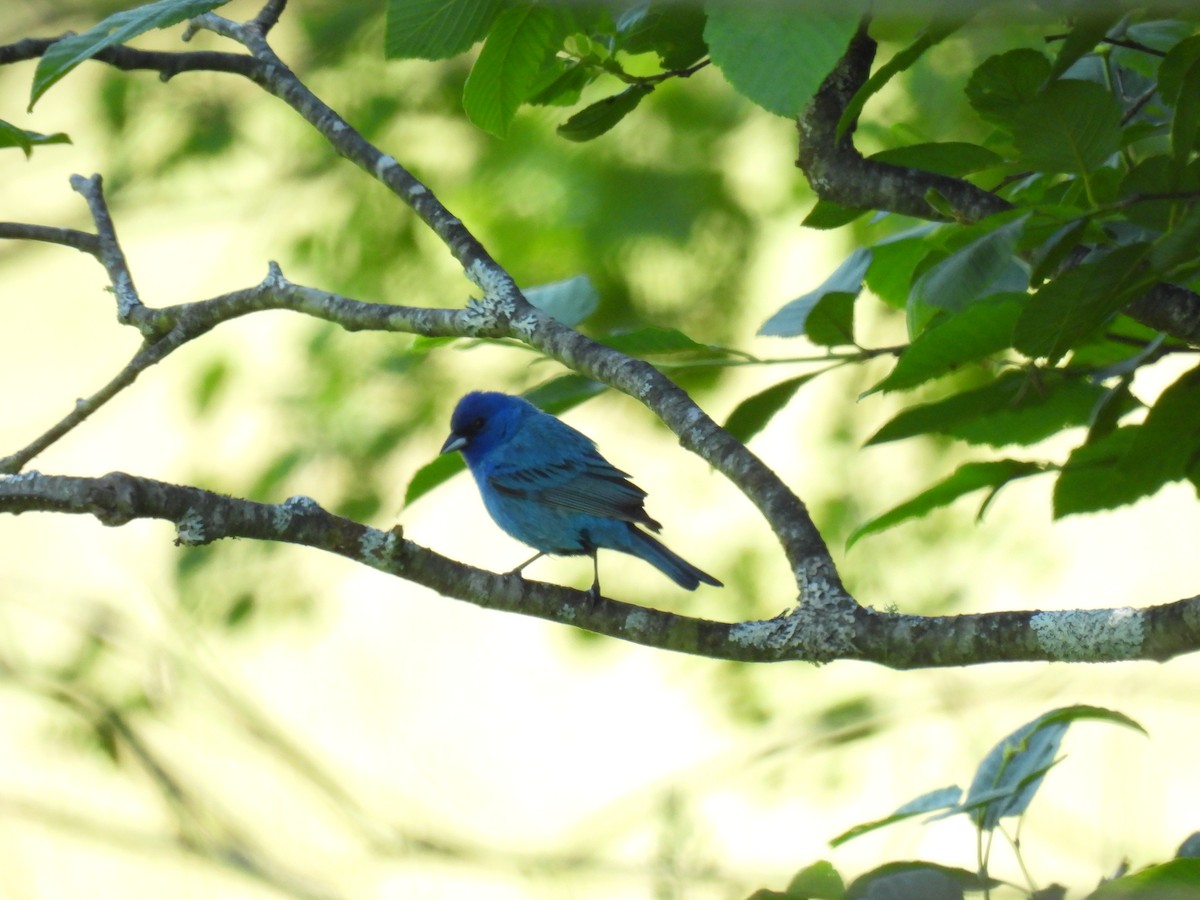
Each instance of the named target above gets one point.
<point>483,420</point>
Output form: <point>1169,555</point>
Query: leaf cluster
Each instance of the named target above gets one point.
<point>1019,325</point>
<point>548,54</point>
<point>1003,786</point>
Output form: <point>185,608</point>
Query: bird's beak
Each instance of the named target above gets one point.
<point>454,442</point>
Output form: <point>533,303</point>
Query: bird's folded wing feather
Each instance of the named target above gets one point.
<point>580,481</point>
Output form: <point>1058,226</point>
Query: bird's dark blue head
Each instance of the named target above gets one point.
<point>483,420</point>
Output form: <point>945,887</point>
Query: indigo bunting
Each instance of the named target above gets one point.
<point>547,485</point>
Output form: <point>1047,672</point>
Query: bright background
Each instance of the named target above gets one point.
<point>329,731</point>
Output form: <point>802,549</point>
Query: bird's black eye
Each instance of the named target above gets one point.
<point>473,427</point>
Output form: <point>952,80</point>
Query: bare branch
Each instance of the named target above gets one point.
<point>175,326</point>
<point>898,641</point>
<point>67,237</point>
<point>129,306</point>
<point>82,410</point>
<point>167,64</point>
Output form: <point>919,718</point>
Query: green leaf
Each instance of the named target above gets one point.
<point>560,83</point>
<point>792,318</point>
<point>652,341</point>
<point>983,267</point>
<point>827,215</point>
<point>933,801</point>
<point>12,136</point>
<point>1089,29</point>
<point>820,881</point>
<point>831,321</point>
<point>900,62</point>
<point>436,29</point>
<point>521,42</point>
<point>1047,257</point>
<point>1038,413</point>
<point>570,301</point>
<point>894,261</point>
<point>941,415</point>
<point>773,54</point>
<point>1187,117</point>
<point>441,468</point>
<point>955,158</point>
<point>1173,70</point>
<point>978,331</point>
<point>1167,444</point>
<point>674,31</point>
<point>1178,246</point>
<point>594,120</point>
<point>1013,770</point>
<point>65,54</point>
<point>1089,480</point>
<point>1004,85</point>
<point>966,479</point>
<point>1116,402</point>
<point>565,392</point>
<point>940,204</point>
<point>1071,307</point>
<point>1172,880</point>
<point>1072,126</point>
<point>1156,175</point>
<point>918,879</point>
<point>752,415</point>
<point>1016,408</point>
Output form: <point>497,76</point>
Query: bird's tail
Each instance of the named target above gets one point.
<point>671,564</point>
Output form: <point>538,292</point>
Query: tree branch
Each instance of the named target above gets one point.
<point>175,326</point>
<point>67,237</point>
<point>129,305</point>
<point>898,641</point>
<point>840,174</point>
<point>167,64</point>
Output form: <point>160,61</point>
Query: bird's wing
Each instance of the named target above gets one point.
<point>573,477</point>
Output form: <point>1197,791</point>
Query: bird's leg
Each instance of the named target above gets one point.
<point>517,570</point>
<point>594,590</point>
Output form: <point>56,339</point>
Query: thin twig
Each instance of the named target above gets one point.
<point>67,237</point>
<point>175,326</point>
<point>1114,42</point>
<point>129,305</point>
<point>1136,106</point>
<point>166,63</point>
<point>83,408</point>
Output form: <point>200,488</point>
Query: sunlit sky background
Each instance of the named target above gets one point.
<point>512,741</point>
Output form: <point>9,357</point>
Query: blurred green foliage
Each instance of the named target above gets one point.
<point>656,204</point>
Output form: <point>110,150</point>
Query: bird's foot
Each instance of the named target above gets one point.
<point>593,595</point>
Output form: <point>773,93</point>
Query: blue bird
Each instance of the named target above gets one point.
<point>547,485</point>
